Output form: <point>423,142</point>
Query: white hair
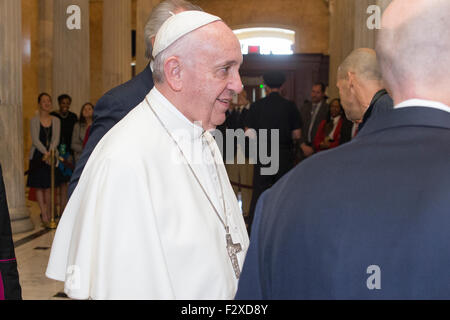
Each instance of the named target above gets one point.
<point>178,49</point>
<point>159,15</point>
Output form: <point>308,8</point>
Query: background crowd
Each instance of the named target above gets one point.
<point>63,132</point>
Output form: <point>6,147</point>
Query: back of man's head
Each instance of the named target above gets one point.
<point>363,63</point>
<point>159,15</point>
<point>413,49</point>
<point>274,79</point>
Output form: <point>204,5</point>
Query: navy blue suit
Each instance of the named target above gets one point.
<point>109,110</point>
<point>382,200</point>
<point>381,102</point>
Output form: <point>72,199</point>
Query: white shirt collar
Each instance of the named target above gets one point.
<point>423,103</point>
<point>172,118</point>
<point>317,105</point>
<point>336,119</point>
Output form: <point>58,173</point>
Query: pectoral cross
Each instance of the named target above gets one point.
<point>233,249</point>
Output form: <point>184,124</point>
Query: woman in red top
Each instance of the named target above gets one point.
<point>329,131</point>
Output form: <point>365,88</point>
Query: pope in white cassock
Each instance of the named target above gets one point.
<point>154,215</point>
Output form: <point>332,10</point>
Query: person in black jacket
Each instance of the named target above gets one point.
<point>119,101</point>
<point>272,113</point>
<point>9,276</point>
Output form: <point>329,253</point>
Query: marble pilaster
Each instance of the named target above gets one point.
<point>144,8</point>
<point>349,31</point>
<point>116,43</point>
<point>11,122</point>
<point>45,46</point>
<point>71,73</point>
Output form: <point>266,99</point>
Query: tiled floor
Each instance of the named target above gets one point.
<point>32,258</point>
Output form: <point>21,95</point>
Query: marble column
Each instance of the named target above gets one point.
<point>71,73</point>
<point>144,8</point>
<point>116,43</point>
<point>11,122</point>
<point>45,76</point>
<point>341,38</point>
<point>349,31</point>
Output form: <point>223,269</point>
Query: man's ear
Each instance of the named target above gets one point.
<point>351,79</point>
<point>172,72</point>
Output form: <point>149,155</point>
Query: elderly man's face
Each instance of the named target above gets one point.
<point>317,94</point>
<point>213,76</point>
<point>348,101</point>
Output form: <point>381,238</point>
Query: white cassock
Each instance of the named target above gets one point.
<point>139,225</point>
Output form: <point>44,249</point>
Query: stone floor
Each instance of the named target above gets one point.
<point>32,253</point>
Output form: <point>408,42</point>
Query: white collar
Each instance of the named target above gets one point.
<point>172,118</point>
<point>336,119</point>
<point>423,103</point>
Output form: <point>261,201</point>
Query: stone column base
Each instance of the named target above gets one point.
<point>20,220</point>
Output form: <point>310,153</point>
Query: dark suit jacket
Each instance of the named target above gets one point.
<point>109,110</point>
<point>380,200</point>
<point>235,120</point>
<point>305,113</point>
<point>381,102</point>
<point>9,277</point>
<point>346,130</point>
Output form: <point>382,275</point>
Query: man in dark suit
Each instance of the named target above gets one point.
<point>239,168</point>
<point>312,113</point>
<point>361,87</point>
<point>374,219</point>
<point>272,113</point>
<point>9,277</point>
<point>116,103</point>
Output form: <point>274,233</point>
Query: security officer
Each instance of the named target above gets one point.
<point>272,113</point>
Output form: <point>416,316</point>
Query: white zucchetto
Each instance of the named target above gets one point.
<point>179,25</point>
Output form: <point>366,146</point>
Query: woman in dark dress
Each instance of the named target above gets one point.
<point>45,131</point>
<point>328,134</point>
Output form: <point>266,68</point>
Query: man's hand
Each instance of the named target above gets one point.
<point>307,150</point>
<point>325,144</point>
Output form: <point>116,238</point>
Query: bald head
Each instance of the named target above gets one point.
<point>363,62</point>
<point>413,49</point>
<point>359,78</point>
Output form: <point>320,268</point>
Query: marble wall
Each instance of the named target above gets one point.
<point>143,9</point>
<point>11,113</point>
<point>116,43</point>
<point>96,44</point>
<point>71,55</point>
<point>30,68</point>
<point>309,18</point>
<point>349,31</point>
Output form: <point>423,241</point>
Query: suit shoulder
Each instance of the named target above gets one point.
<point>131,92</point>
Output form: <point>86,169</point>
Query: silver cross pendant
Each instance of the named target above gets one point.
<point>233,249</point>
